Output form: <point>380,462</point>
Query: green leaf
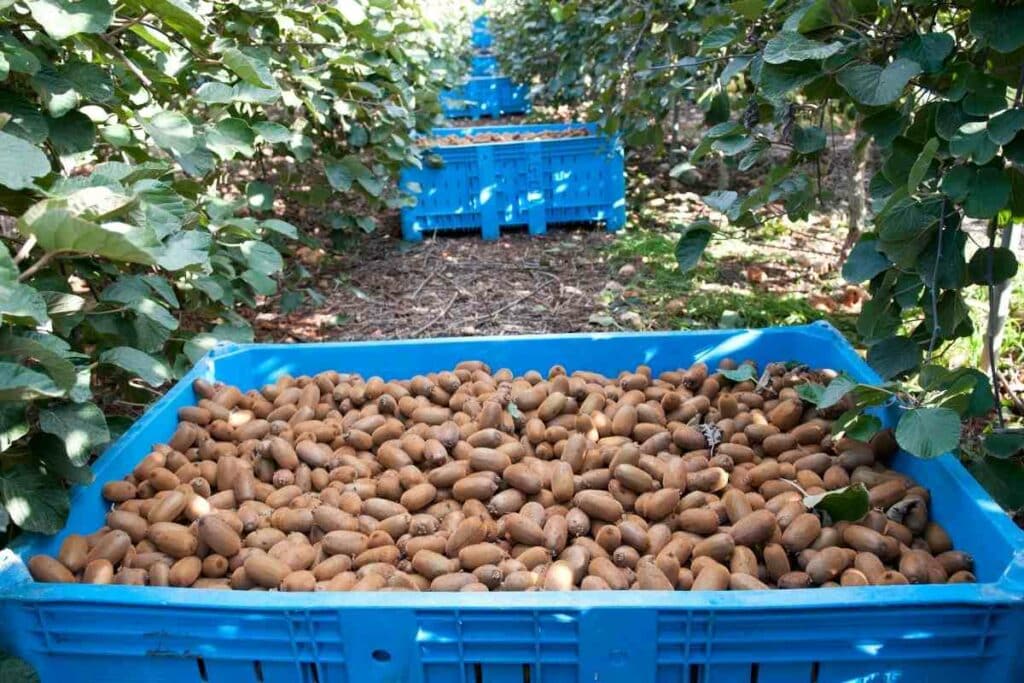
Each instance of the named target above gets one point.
<point>352,11</point>
<point>72,133</point>
<point>213,92</point>
<point>272,132</point>
<point>179,16</point>
<point>1001,25</point>
<point>249,67</point>
<point>171,130</point>
<point>848,504</point>
<point>199,345</point>
<point>18,383</point>
<point>1003,445</point>
<point>721,200</point>
<point>280,227</point>
<point>34,347</point>
<point>808,139</point>
<point>878,320</point>
<point>748,9</point>
<point>163,288</point>
<point>49,450</point>
<point>261,257</point>
<point>117,134</point>
<point>928,432</point>
<point>929,50</point>
<point>36,501</point>
<point>856,425</point>
<point>260,283</point>
<point>57,228</point>
<point>743,373</point>
<point>259,196</point>
<point>873,85</point>
<point>57,93</point>
<point>91,81</point>
<point>1002,128</point>
<point>1003,479</point>
<point>790,46</point>
<point>20,301</point>
<point>836,390</point>
<point>65,18</point>
<point>81,426</point>
<point>229,137</point>
<point>184,249</point>
<point>989,193</point>
<point>153,371</point>
<point>811,392</point>
<point>151,310</point>
<point>776,80</point>
<point>884,125</point>
<point>1003,266</point>
<point>20,57</point>
<point>956,182</point>
<point>864,261</point>
<point>908,219</point>
<point>14,670</point>
<point>13,426</point>
<point>20,162</point>
<point>8,268</point>
<point>894,356</point>
<point>972,142</point>
<point>692,242</point>
<point>920,168</point>
<point>965,390</point>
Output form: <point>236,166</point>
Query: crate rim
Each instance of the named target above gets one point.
<point>591,128</point>
<point>16,585</point>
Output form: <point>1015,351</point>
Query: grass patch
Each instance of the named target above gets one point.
<point>713,295</point>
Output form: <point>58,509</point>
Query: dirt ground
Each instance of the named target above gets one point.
<point>453,286</point>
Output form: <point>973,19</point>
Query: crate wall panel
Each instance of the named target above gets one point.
<point>485,96</point>
<point>532,183</point>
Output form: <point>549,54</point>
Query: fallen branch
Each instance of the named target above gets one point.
<point>437,317</point>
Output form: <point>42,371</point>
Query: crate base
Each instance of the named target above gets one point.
<point>413,233</point>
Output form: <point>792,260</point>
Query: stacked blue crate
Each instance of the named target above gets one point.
<point>512,180</point>
<point>486,93</point>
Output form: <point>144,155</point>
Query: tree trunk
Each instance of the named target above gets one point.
<point>857,199</point>
<point>999,307</point>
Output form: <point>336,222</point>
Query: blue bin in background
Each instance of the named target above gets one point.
<point>532,183</point>
<point>482,96</point>
<point>482,23</point>
<point>913,634</point>
<point>483,65</point>
<point>482,39</point>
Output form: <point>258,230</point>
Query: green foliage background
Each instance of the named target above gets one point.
<point>121,258</point>
<point>936,88</point>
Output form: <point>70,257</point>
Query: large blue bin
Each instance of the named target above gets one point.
<point>533,183</point>
<point>910,634</point>
<point>482,38</point>
<point>483,65</point>
<point>481,96</point>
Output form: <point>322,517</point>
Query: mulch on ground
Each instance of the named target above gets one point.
<point>451,286</point>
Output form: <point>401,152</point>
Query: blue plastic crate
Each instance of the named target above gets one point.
<point>906,634</point>
<point>483,65</point>
<point>482,38</point>
<point>481,96</point>
<point>535,183</point>
<point>482,23</point>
